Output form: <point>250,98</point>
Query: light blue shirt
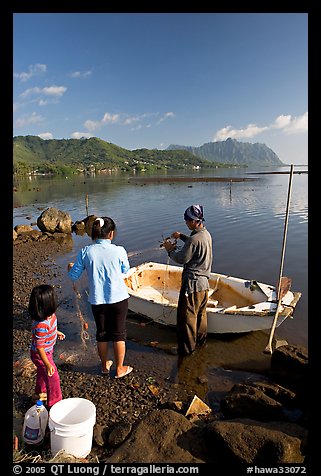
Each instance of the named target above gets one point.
<point>105,264</point>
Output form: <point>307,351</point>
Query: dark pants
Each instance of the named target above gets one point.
<point>110,321</point>
<point>191,321</point>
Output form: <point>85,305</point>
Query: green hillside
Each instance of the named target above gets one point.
<point>33,154</point>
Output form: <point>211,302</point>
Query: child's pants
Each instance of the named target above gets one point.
<point>44,383</point>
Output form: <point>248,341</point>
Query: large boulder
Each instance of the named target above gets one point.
<point>163,436</point>
<point>88,221</point>
<point>290,362</point>
<point>22,229</point>
<point>32,235</point>
<point>259,401</point>
<point>290,367</point>
<point>53,220</point>
<point>246,441</point>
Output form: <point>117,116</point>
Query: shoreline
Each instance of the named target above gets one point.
<point>190,179</point>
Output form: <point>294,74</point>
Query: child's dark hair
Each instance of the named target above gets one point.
<point>102,230</point>
<point>42,302</point>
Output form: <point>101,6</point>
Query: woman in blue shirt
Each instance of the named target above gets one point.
<point>105,264</point>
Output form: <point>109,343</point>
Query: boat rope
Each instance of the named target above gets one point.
<point>288,305</point>
<point>84,336</point>
<point>164,289</point>
<point>164,282</point>
<point>141,324</point>
<point>130,254</point>
<point>273,301</point>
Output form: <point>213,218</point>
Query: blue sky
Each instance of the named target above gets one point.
<point>154,79</point>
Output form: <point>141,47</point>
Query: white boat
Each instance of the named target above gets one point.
<point>234,304</point>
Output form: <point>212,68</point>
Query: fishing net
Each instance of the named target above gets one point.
<point>84,335</point>
<point>69,357</point>
<point>46,457</point>
<point>24,367</point>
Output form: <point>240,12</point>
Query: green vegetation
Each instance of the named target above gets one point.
<point>31,154</point>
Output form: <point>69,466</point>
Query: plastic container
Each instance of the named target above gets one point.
<point>35,424</point>
<point>71,424</point>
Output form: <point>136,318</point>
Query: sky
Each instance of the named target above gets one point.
<point>149,80</point>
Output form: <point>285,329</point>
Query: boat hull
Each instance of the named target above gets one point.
<point>235,305</point>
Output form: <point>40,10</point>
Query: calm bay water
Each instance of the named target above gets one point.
<point>246,220</point>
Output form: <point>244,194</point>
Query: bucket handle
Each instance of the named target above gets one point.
<point>57,433</point>
<point>61,433</point>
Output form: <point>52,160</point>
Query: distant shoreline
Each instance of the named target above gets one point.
<point>279,172</point>
<point>191,179</point>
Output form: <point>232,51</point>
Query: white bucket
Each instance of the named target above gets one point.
<point>71,424</point>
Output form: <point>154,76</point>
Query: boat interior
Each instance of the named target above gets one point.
<point>163,285</point>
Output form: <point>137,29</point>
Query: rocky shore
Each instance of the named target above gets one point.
<point>142,418</point>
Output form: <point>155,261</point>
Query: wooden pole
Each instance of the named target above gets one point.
<point>268,348</point>
<point>87,200</point>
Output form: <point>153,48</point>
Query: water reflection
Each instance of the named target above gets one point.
<point>191,372</point>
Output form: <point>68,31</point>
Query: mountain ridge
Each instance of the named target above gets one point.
<point>33,154</point>
<point>233,152</point>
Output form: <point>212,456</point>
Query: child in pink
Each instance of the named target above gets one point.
<point>42,310</point>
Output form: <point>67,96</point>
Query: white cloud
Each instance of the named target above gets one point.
<point>139,118</point>
<point>295,125</point>
<point>80,135</point>
<point>92,125</point>
<point>110,118</point>
<point>129,120</point>
<point>47,91</point>
<point>54,90</point>
<point>126,120</point>
<point>107,119</point>
<point>33,118</point>
<point>46,135</point>
<point>33,70</point>
<point>283,123</point>
<point>30,91</point>
<point>251,130</point>
<point>165,116</point>
<point>80,74</point>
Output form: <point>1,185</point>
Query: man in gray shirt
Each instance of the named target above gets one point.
<point>196,257</point>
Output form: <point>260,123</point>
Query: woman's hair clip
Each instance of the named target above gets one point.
<point>101,222</point>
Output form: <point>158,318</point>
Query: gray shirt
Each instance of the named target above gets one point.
<point>196,257</point>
